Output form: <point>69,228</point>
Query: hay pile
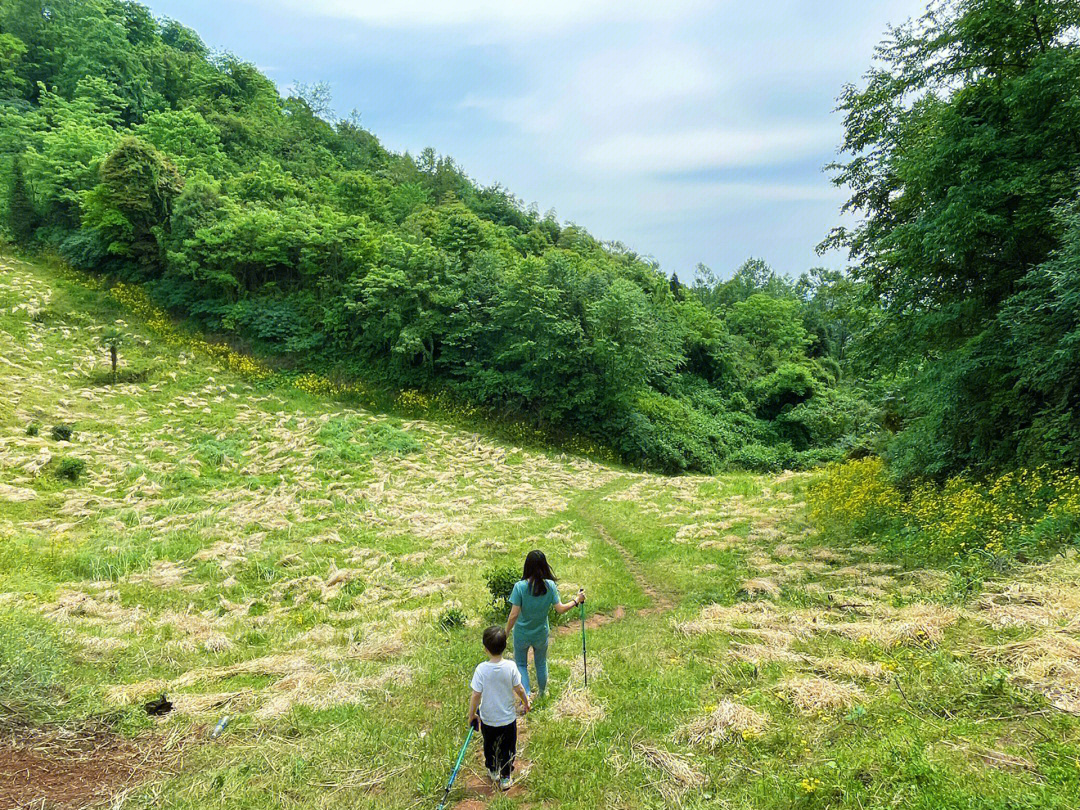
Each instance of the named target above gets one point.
<point>576,703</point>
<point>761,586</point>
<point>676,774</point>
<point>728,722</point>
<point>922,624</point>
<point>812,695</point>
<point>1025,604</point>
<point>1049,664</point>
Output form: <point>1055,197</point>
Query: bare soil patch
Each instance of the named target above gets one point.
<point>68,770</point>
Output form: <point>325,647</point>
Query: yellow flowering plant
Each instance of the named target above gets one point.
<point>1024,512</point>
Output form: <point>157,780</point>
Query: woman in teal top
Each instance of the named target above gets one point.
<point>530,601</point>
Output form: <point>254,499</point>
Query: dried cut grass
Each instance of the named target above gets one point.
<point>760,586</point>
<point>577,704</point>
<point>677,774</point>
<point>377,647</point>
<point>188,703</point>
<point>162,574</point>
<point>1025,604</point>
<point>919,623</point>
<point>812,695</point>
<point>760,654</point>
<point>728,722</point>
<point>1049,664</point>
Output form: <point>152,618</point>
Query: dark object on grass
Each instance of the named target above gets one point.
<point>158,707</point>
<point>111,340</point>
<point>33,429</point>
<point>62,433</point>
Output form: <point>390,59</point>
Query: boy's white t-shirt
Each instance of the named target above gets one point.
<point>495,681</point>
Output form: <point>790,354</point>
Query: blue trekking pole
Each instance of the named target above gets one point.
<point>457,767</point>
<point>584,657</point>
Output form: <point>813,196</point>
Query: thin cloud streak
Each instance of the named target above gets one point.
<point>699,149</point>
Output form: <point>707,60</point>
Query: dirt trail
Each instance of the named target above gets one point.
<point>69,771</point>
<point>661,600</point>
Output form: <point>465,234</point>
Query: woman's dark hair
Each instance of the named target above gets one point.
<point>536,571</point>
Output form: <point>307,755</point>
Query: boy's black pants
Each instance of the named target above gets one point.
<point>500,747</point>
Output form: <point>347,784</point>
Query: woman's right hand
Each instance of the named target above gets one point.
<point>580,600</point>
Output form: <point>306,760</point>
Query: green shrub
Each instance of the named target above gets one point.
<point>501,580</point>
<point>62,433</point>
<point>764,458</point>
<point>70,468</point>
<point>451,617</point>
<point>33,429</point>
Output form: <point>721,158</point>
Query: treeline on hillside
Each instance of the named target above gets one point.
<point>964,167</point>
<point>130,149</point>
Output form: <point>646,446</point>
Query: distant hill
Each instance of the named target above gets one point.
<point>133,151</point>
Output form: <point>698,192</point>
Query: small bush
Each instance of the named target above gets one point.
<point>501,580</point>
<point>451,617</point>
<point>62,433</point>
<point>764,458</point>
<point>70,468</point>
<point>33,429</point>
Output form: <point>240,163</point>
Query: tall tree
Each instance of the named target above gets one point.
<point>961,143</point>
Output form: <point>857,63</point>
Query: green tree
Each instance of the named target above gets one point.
<point>134,201</point>
<point>23,216</point>
<point>961,144</point>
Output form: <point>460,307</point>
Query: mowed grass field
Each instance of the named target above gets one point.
<point>255,551</point>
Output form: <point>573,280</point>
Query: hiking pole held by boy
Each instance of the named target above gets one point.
<point>584,656</point>
<point>457,767</point>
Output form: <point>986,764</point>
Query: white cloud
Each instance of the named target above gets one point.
<point>517,16</point>
<point>711,148</point>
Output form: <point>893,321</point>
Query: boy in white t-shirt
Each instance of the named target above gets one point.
<point>494,684</point>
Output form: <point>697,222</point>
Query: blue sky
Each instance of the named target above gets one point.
<point>691,131</point>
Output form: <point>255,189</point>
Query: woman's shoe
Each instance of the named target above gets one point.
<point>505,783</point>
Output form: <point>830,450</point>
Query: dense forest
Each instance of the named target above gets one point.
<point>131,150</point>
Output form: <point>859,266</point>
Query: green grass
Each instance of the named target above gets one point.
<point>252,527</point>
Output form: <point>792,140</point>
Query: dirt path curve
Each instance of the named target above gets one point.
<point>661,600</point>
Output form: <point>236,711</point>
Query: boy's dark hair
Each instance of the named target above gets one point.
<point>495,640</point>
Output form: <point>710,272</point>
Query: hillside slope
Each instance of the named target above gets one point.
<point>256,551</point>
<point>133,151</point>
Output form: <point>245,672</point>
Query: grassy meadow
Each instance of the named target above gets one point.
<point>213,531</point>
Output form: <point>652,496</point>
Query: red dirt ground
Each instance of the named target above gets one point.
<point>64,770</point>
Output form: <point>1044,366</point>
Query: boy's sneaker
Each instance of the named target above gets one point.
<point>493,776</point>
<point>505,783</point>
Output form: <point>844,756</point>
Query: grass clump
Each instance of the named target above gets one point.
<point>451,618</point>
<point>70,468</point>
<point>33,429</point>
<point>62,433</point>
<point>356,440</point>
